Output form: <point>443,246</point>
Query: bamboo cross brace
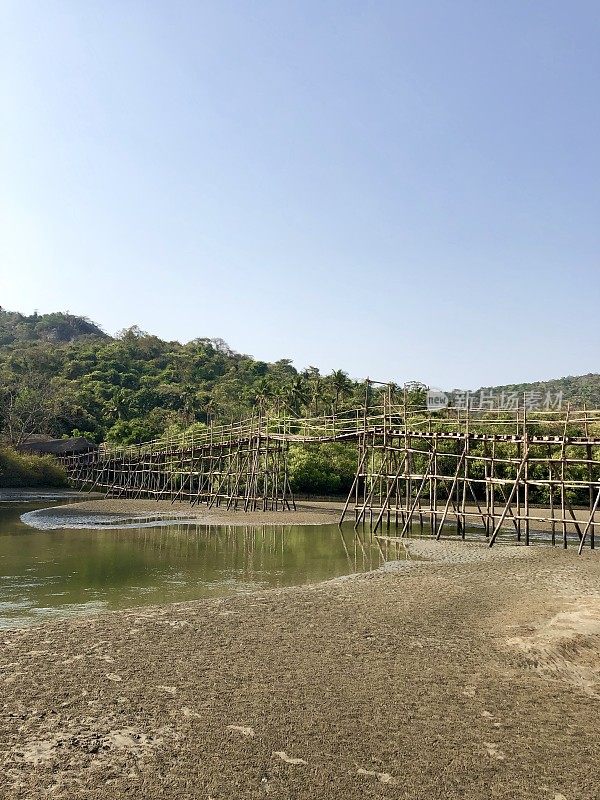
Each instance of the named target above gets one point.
<point>510,497</point>
<point>451,492</point>
<point>589,522</point>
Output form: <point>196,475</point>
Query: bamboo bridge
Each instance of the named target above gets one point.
<point>490,474</point>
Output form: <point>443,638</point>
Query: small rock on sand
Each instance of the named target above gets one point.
<point>245,730</point>
<point>288,760</point>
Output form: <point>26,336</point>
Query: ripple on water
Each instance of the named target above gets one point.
<point>48,519</point>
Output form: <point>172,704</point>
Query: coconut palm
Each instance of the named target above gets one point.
<point>315,384</point>
<point>298,394</point>
<point>263,392</point>
<point>340,383</point>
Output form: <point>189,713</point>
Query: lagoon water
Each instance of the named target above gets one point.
<point>51,573</point>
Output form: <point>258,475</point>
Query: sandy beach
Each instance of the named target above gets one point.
<point>472,674</point>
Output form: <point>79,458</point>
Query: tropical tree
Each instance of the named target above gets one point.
<point>210,408</point>
<point>298,394</point>
<point>315,387</point>
<point>190,403</point>
<point>341,385</point>
<point>263,393</point>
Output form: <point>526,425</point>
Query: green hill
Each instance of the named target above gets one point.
<point>576,389</point>
<point>62,375</point>
<point>56,327</point>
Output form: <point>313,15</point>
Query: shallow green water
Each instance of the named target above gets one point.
<point>50,573</point>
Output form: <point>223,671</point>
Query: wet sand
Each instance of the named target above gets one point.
<point>307,512</point>
<point>473,675</point>
<point>115,510</point>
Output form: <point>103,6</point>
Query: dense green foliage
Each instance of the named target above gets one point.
<point>135,386</point>
<point>57,327</point>
<point>62,375</point>
<point>325,469</point>
<point>577,390</point>
<point>29,470</point>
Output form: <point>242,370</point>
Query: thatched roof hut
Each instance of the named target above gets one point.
<point>42,445</point>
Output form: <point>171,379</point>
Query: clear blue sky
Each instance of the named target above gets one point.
<point>405,190</point>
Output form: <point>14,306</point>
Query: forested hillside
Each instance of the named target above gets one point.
<point>58,327</point>
<point>576,389</point>
<point>61,374</point>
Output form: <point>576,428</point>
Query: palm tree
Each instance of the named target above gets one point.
<point>210,407</point>
<point>263,392</point>
<point>189,403</point>
<point>280,398</point>
<point>298,394</point>
<point>341,385</point>
<point>315,382</point>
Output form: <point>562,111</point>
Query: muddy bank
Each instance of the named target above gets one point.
<point>124,512</point>
<point>102,511</point>
<point>472,675</point>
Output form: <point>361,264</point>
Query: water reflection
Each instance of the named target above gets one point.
<point>46,573</point>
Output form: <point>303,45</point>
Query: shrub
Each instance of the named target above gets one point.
<point>322,469</point>
<point>19,470</point>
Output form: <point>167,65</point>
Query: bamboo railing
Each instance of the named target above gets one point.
<point>488,473</point>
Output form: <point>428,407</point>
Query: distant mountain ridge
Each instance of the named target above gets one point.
<point>577,389</point>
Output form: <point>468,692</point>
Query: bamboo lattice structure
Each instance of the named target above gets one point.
<point>488,473</point>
